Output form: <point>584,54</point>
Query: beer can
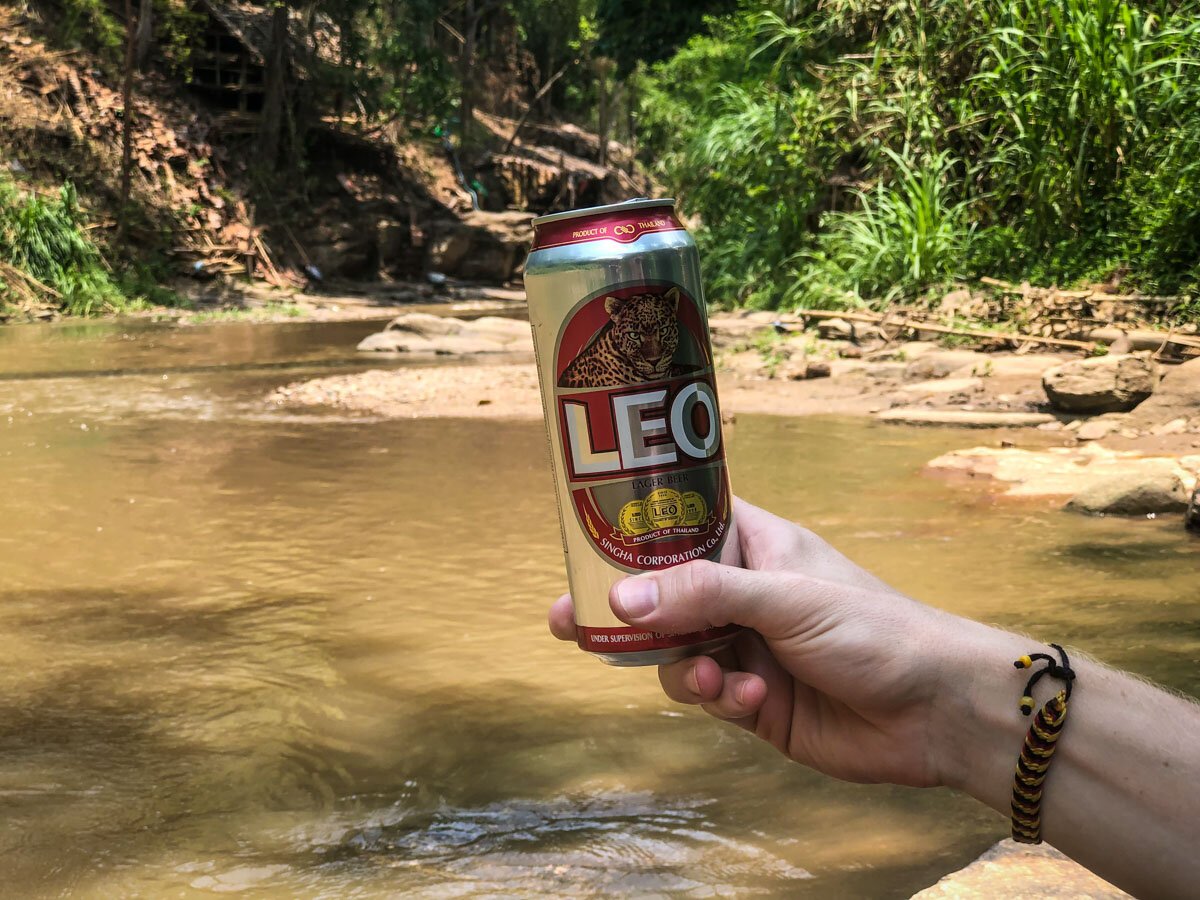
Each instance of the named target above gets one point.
<point>629,393</point>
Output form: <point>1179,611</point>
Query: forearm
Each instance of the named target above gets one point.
<point>1122,795</point>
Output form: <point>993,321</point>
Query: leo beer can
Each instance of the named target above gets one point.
<point>627,379</point>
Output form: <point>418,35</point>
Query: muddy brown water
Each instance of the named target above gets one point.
<point>304,654</point>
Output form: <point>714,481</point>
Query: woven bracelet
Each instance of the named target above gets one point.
<point>1040,742</point>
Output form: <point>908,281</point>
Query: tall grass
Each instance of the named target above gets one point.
<point>905,233</point>
<point>46,249</point>
<point>874,148</point>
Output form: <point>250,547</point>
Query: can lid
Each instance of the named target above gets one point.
<point>635,203</point>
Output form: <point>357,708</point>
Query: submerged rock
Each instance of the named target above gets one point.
<point>1104,384</point>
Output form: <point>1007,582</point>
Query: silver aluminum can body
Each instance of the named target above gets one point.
<point>628,389</point>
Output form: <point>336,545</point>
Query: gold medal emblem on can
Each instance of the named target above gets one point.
<point>632,519</point>
<point>695,510</point>
<point>663,508</point>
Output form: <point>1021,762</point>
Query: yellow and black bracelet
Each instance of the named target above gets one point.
<point>1040,742</point>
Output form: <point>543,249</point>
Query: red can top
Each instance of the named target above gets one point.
<point>621,222</point>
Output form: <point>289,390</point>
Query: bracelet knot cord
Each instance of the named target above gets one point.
<point>1040,742</point>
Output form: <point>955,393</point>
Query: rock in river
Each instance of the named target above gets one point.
<point>444,335</point>
<point>1177,396</point>
<point>1034,872</point>
<point>1147,492</point>
<point>1104,384</point>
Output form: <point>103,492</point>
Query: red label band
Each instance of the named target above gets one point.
<point>630,640</point>
<point>623,227</point>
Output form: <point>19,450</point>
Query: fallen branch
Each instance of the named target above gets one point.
<point>918,325</point>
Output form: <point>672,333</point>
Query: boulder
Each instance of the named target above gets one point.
<point>1177,396</point>
<point>393,240</point>
<point>426,325</point>
<point>510,332</point>
<point>488,246</point>
<point>1104,384</point>
<point>940,363</point>
<point>1151,490</point>
<point>446,250</point>
<point>905,352</point>
<point>1030,871</point>
<point>396,342</point>
<point>794,368</point>
<point>1097,428</point>
<point>835,329</point>
<point>444,335</point>
<point>351,258</point>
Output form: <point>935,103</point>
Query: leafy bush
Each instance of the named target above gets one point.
<point>44,241</point>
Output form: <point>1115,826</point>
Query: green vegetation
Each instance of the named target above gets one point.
<point>269,312</point>
<point>834,152</point>
<point>860,151</point>
<point>45,249</point>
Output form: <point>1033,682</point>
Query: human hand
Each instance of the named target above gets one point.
<point>839,672</point>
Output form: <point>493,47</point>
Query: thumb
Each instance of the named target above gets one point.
<point>701,594</point>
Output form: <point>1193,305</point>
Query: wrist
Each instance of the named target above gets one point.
<point>977,727</point>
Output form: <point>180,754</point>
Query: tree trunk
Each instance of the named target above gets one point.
<point>126,120</point>
<point>272,112</point>
<point>602,129</point>
<point>466,106</point>
<point>632,95</point>
<point>604,69</point>
<point>145,32</point>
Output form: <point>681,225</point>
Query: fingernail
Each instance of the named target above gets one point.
<point>739,693</point>
<point>637,597</point>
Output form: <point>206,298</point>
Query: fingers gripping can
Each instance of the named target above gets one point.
<point>628,388</point>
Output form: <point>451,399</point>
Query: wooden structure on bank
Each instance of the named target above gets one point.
<point>230,63</point>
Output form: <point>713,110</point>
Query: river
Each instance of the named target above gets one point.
<point>304,654</point>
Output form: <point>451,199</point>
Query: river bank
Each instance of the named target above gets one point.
<point>1018,442</point>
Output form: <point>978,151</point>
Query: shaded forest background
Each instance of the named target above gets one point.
<point>829,152</point>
